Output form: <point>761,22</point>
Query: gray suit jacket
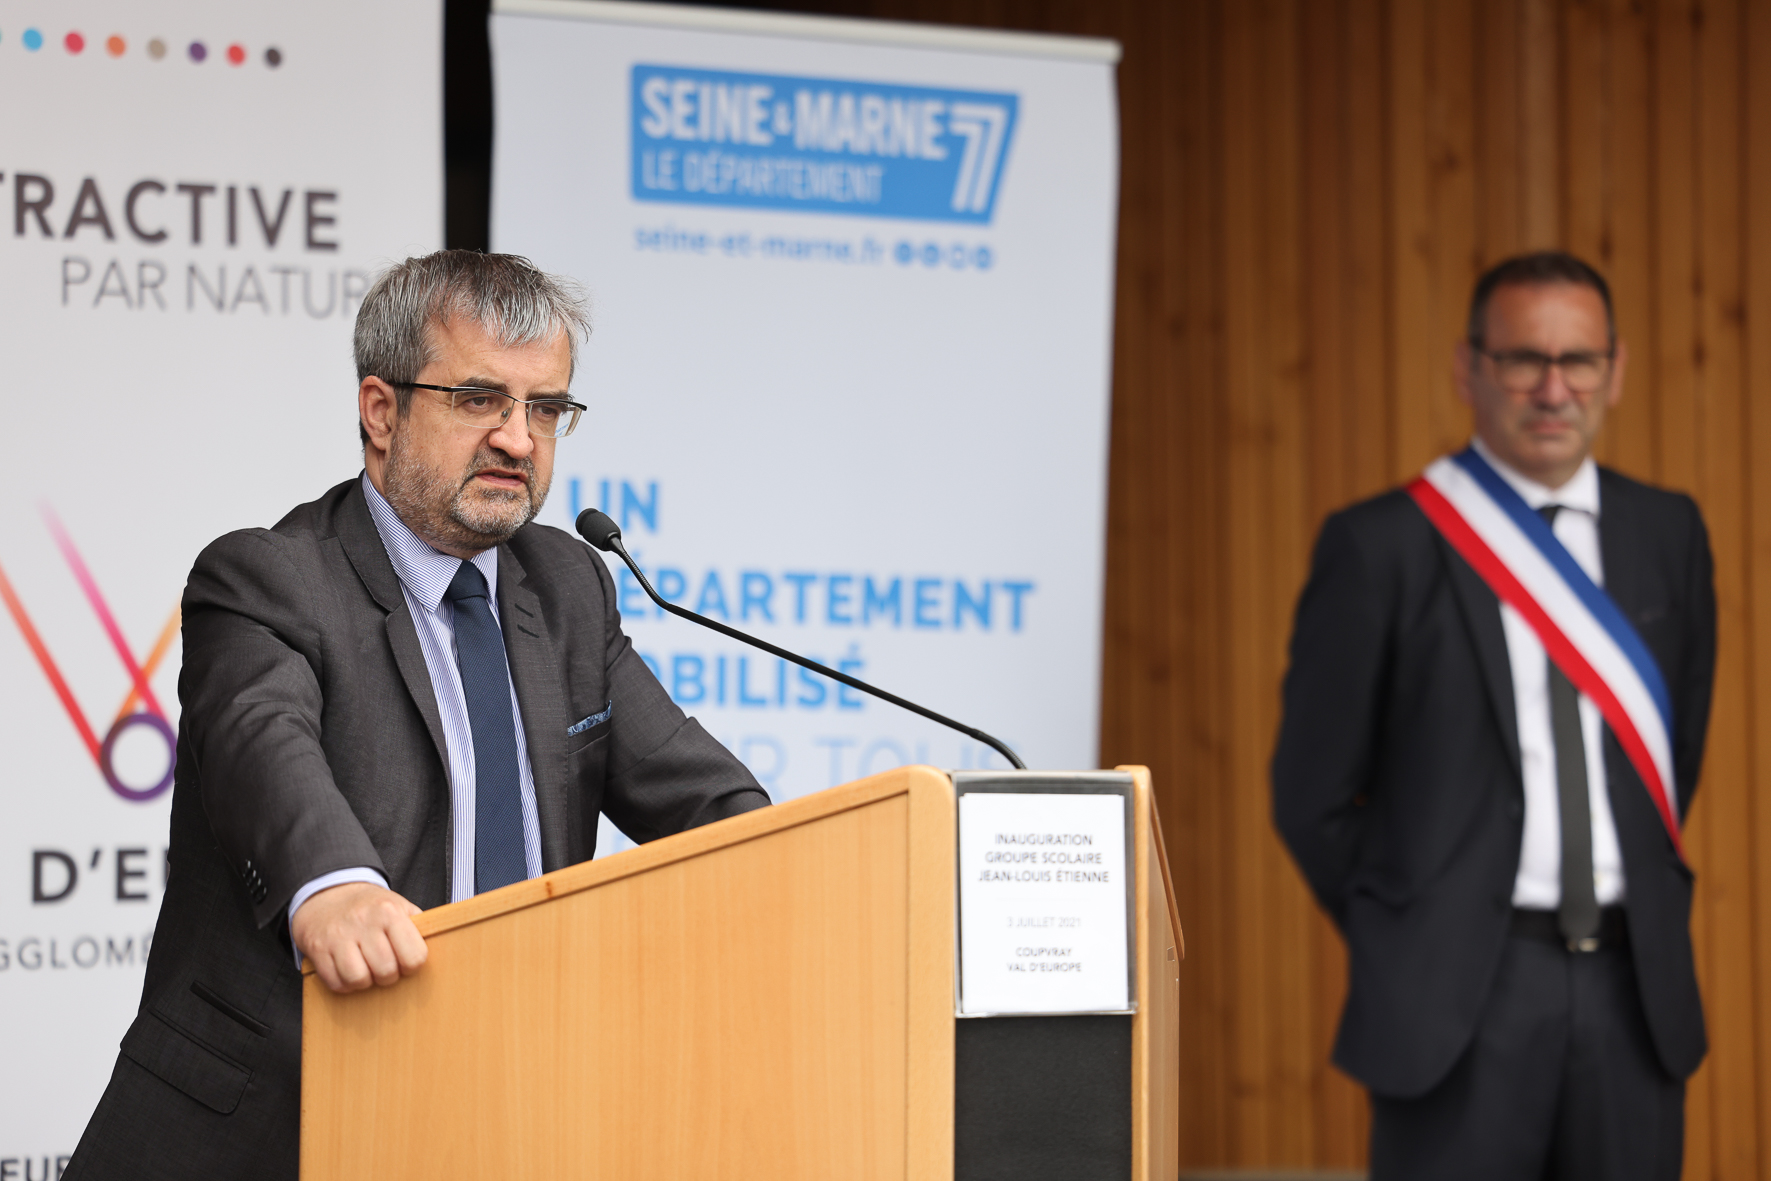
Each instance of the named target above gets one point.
<point>310,741</point>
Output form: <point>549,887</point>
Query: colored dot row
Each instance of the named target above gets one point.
<point>116,46</point>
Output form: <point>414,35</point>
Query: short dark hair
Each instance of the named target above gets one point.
<point>1534,270</point>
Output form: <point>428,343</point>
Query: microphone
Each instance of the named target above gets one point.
<point>600,530</point>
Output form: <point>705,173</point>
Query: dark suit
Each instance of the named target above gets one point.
<point>310,741</point>
<point>1397,781</point>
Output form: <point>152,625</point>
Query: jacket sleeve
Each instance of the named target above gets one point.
<point>249,691</point>
<point>665,773</point>
<point>1332,698</point>
<point>1691,696</point>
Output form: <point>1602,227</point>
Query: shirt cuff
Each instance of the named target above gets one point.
<point>338,877</point>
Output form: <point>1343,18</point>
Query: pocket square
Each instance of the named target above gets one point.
<point>592,720</point>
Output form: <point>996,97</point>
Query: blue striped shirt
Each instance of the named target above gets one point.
<point>425,574</point>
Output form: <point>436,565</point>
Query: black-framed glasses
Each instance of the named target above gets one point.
<point>487,410</point>
<point>1523,370</point>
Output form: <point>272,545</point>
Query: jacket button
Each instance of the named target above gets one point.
<point>1515,810</point>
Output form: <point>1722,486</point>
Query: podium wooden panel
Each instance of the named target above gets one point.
<point>770,996</point>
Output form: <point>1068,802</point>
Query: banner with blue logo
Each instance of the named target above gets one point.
<point>768,141</point>
<point>848,384</point>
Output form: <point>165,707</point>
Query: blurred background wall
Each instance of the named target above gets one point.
<point>1309,188</point>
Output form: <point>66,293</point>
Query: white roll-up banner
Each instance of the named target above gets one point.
<point>194,194</point>
<point>848,381</point>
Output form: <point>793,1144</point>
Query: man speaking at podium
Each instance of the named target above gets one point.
<point>1494,719</point>
<point>403,694</point>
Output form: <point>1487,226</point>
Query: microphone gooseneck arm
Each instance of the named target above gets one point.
<point>600,531</point>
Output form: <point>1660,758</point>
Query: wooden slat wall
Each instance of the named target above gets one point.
<point>1309,189</point>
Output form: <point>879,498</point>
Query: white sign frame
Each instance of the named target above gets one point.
<point>1062,783</point>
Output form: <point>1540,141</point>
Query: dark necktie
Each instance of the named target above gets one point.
<point>485,682</point>
<point>1578,915</point>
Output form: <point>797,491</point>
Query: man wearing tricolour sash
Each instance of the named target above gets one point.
<point>1494,719</point>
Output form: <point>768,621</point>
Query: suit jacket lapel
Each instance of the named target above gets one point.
<point>368,556</point>
<point>1481,608</point>
<point>534,671</point>
<point>1620,554</point>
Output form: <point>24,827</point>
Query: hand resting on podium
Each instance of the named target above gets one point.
<point>358,934</point>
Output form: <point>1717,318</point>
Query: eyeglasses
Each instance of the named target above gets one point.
<point>1522,370</point>
<point>485,410</point>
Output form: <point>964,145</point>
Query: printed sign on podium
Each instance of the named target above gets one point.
<point>1045,903</point>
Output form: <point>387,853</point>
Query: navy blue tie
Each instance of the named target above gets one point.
<point>485,681</point>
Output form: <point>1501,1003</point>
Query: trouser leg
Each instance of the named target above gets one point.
<point>1621,1116</point>
<point>1494,1115</point>
<point>1560,1082</point>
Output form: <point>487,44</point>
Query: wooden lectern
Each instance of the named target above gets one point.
<point>769,998</point>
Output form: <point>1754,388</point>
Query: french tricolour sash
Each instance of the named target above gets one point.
<point>1582,629</point>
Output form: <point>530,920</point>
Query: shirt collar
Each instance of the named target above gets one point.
<point>425,572</point>
<point>1581,492</point>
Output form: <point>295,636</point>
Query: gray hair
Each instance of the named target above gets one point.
<point>510,297</point>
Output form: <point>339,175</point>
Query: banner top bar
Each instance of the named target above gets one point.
<point>826,28</point>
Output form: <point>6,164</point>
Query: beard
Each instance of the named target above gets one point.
<point>456,513</point>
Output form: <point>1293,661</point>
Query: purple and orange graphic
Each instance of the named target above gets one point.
<point>141,693</point>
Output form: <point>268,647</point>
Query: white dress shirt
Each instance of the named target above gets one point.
<point>425,574</point>
<point>1538,885</point>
